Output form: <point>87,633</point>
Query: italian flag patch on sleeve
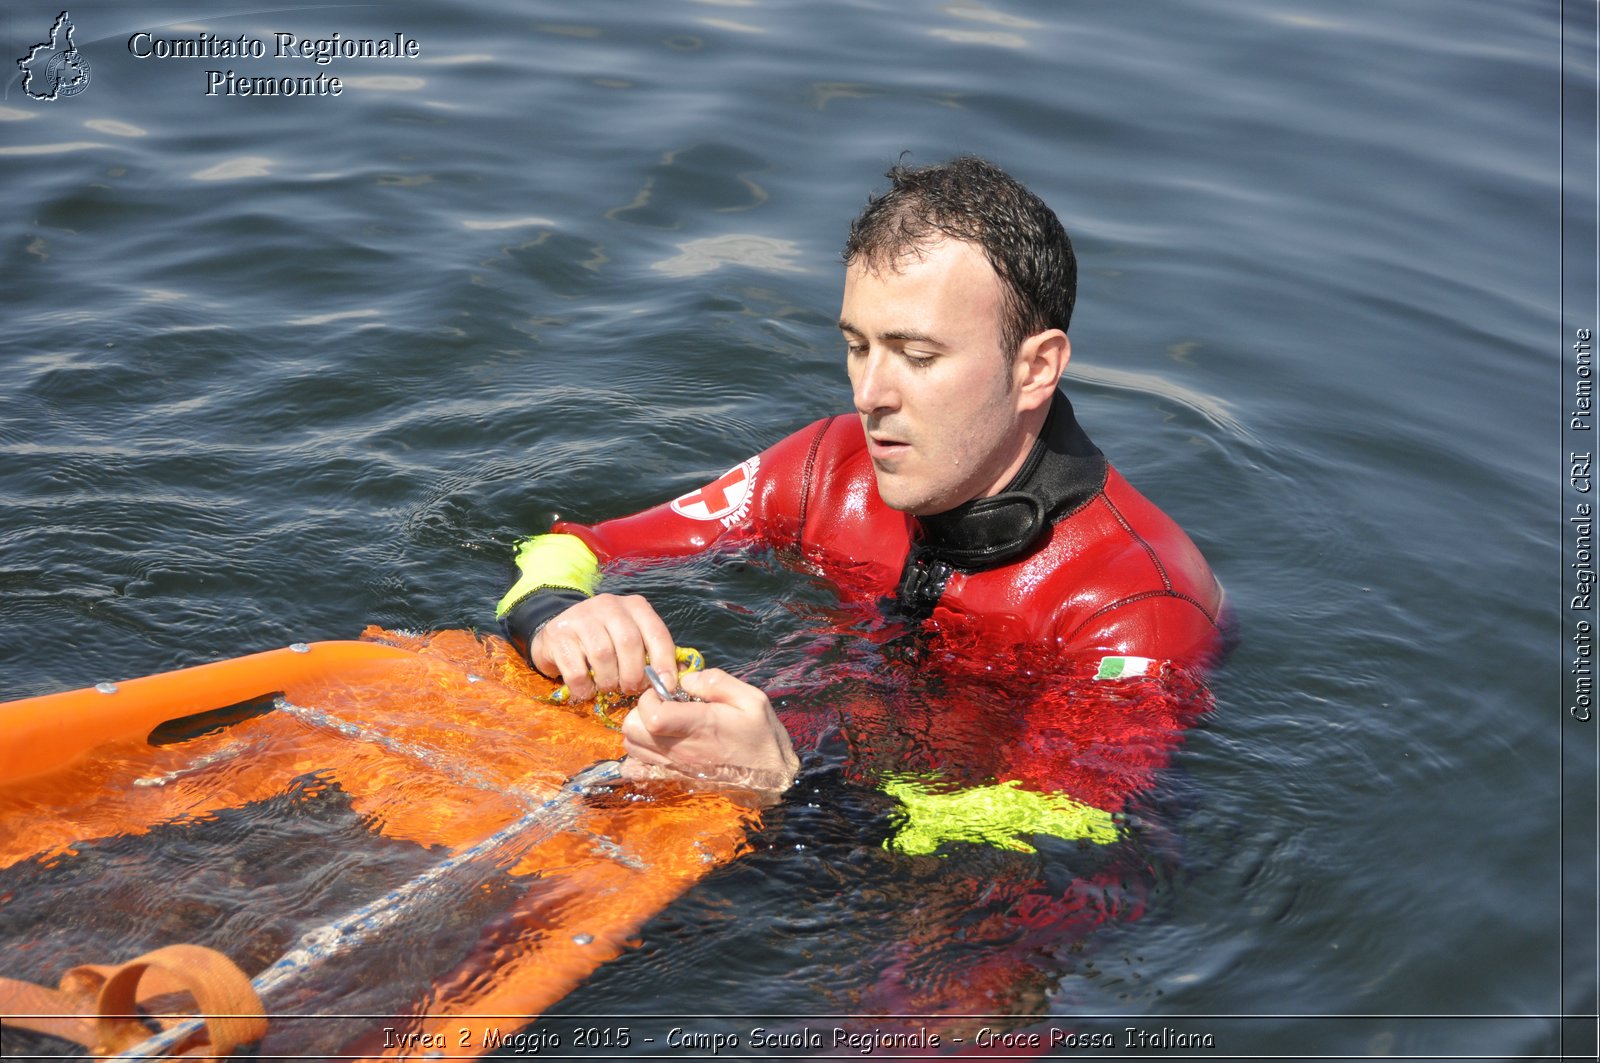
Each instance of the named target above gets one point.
<point>1127,667</point>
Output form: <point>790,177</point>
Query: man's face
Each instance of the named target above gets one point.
<point>939,402</point>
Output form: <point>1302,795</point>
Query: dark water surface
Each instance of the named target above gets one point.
<point>273,369</point>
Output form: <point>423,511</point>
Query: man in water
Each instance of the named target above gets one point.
<point>962,495</point>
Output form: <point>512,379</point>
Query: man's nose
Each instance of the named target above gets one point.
<point>872,384</point>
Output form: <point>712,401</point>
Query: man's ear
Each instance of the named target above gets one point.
<point>1041,359</point>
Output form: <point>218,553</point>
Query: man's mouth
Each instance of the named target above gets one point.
<point>885,446</point>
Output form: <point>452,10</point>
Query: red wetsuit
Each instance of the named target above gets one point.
<point>1066,566</point>
<point>1068,557</point>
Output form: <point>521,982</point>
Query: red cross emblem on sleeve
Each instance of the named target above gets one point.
<point>726,496</point>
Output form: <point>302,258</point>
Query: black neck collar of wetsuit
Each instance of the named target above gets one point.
<point>1062,472</point>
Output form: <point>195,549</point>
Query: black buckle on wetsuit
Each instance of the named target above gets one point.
<point>922,582</point>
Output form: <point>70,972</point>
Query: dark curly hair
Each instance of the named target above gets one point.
<point>971,199</point>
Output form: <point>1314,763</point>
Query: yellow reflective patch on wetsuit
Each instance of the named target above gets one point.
<point>562,562</point>
<point>1000,815</point>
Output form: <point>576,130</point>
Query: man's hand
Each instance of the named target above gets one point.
<point>731,737</point>
<point>603,643</point>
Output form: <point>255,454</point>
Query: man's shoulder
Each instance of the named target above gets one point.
<point>820,492</point>
<point>1124,541</point>
<point>833,438</point>
<point>1136,568</point>
<point>821,451</point>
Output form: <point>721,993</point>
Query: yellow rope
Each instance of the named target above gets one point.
<point>609,702</point>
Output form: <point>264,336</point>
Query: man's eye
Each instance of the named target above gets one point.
<point>919,360</point>
<point>855,348</point>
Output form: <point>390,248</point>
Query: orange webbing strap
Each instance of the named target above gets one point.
<point>94,1005</point>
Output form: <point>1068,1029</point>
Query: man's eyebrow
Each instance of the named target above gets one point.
<point>896,335</point>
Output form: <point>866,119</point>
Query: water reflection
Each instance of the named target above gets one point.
<point>993,38</point>
<point>324,319</point>
<point>52,149</point>
<point>236,169</point>
<point>696,257</point>
<point>493,224</point>
<point>114,128</point>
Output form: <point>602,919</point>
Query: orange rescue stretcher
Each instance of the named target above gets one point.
<point>447,741</point>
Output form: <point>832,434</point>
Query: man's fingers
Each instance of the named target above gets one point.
<point>632,628</point>
<point>663,721</point>
<point>639,740</point>
<point>714,684</point>
<point>603,659</point>
<point>660,647</point>
<point>658,724</point>
<point>624,630</point>
<point>728,736</point>
<point>603,644</point>
<point>570,663</point>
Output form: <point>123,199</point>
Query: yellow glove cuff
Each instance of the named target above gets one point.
<point>558,561</point>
